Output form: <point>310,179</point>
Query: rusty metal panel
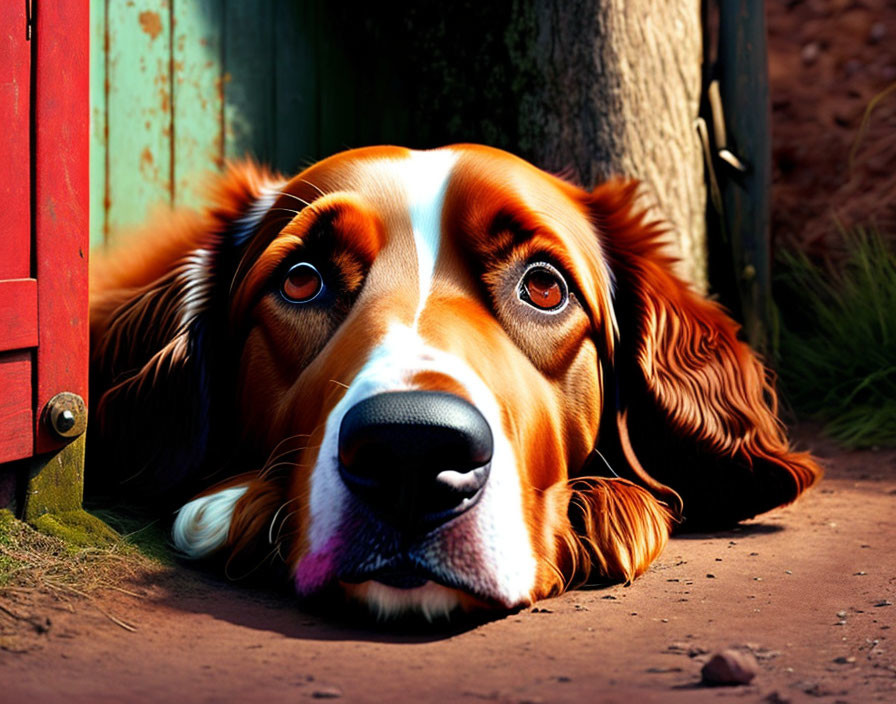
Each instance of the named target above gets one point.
<point>138,110</point>
<point>98,138</point>
<point>197,90</point>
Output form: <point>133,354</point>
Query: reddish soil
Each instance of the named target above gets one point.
<point>809,589</point>
<point>832,64</point>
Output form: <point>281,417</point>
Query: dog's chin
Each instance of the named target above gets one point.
<point>430,601</point>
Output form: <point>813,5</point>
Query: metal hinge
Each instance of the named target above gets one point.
<point>29,19</point>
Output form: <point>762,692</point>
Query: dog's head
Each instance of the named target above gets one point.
<point>437,379</point>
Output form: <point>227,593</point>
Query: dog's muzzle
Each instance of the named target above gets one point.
<point>417,459</point>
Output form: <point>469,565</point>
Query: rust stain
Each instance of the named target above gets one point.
<point>151,23</point>
<point>146,159</point>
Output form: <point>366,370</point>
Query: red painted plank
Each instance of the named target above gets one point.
<point>18,314</point>
<point>15,406</point>
<point>15,194</point>
<point>61,113</point>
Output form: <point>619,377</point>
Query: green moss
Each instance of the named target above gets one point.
<point>56,484</point>
<point>140,529</point>
<point>78,528</point>
<point>9,528</point>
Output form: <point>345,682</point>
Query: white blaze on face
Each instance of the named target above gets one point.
<point>426,175</point>
<point>498,535</point>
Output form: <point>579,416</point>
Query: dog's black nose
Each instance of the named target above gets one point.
<point>418,458</point>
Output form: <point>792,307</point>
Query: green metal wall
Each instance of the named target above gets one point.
<point>178,86</point>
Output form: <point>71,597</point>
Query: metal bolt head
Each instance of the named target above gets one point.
<point>66,414</point>
<point>65,421</point>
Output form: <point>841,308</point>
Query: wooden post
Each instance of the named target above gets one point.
<point>743,84</point>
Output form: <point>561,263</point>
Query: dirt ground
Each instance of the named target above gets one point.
<point>809,589</point>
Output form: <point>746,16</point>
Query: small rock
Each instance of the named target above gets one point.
<point>327,693</point>
<point>710,575</point>
<point>884,602</point>
<point>776,698</point>
<point>538,610</point>
<point>860,573</point>
<point>845,660</point>
<point>810,53</point>
<point>841,614</point>
<point>729,667</point>
<point>877,33</point>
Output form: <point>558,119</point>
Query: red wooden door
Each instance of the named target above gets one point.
<point>44,74</point>
<point>18,290</point>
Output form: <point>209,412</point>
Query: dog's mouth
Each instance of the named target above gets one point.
<point>410,575</point>
<point>401,572</point>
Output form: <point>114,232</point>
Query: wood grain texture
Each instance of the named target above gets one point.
<point>61,154</point>
<point>743,79</point>
<point>18,314</point>
<point>248,80</point>
<point>15,192</point>
<point>16,441</point>
<point>619,91</point>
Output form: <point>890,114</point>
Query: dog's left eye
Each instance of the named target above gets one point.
<point>302,283</point>
<point>543,287</point>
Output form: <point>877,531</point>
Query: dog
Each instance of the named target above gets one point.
<point>427,381</point>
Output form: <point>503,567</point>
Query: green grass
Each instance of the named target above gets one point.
<point>141,529</point>
<point>837,351</point>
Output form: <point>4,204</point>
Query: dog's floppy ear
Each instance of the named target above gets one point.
<point>159,380</point>
<point>693,409</point>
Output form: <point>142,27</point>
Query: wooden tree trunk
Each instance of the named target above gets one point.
<point>619,92</point>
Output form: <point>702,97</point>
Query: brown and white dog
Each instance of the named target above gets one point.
<point>435,380</point>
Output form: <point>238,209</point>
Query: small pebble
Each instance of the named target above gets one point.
<point>841,614</point>
<point>884,602</point>
<point>327,693</point>
<point>845,660</point>
<point>810,53</point>
<point>709,575</point>
<point>729,667</point>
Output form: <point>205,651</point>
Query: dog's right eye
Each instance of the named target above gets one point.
<point>302,283</point>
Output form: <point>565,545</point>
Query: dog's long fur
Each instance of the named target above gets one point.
<point>637,411</point>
